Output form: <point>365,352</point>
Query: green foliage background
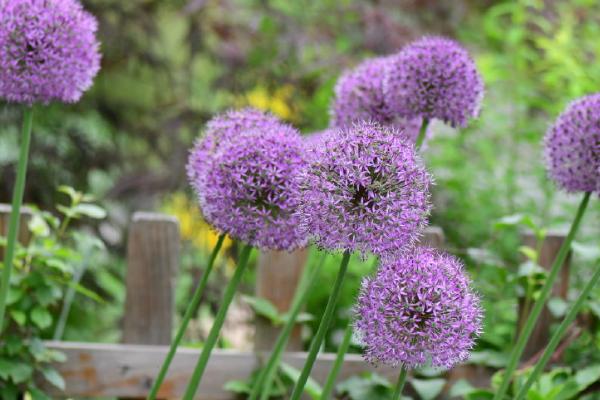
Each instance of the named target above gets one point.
<point>168,66</point>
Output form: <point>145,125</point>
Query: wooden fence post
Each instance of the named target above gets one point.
<point>152,263</point>
<point>277,276</point>
<point>24,234</point>
<point>549,249</point>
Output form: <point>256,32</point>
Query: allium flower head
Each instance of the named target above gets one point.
<point>359,96</point>
<point>220,128</point>
<point>418,309</point>
<point>367,191</point>
<point>48,50</point>
<point>434,77</point>
<point>572,146</point>
<point>251,188</point>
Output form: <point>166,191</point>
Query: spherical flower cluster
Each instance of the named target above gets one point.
<point>48,50</point>
<point>359,96</point>
<point>419,308</point>
<point>367,192</point>
<point>572,146</point>
<point>219,128</point>
<point>434,78</point>
<point>250,190</point>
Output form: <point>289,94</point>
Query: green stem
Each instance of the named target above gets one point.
<point>337,365</point>
<point>422,133</point>
<point>323,327</point>
<point>555,340</point>
<point>211,340</point>
<point>539,304</point>
<point>400,384</point>
<point>15,212</point>
<point>187,316</point>
<point>265,378</point>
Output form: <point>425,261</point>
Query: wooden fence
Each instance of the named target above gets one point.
<point>126,370</point>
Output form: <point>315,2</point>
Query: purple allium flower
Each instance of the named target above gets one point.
<point>251,188</point>
<point>434,77</point>
<point>359,96</point>
<point>572,146</point>
<point>48,50</point>
<point>219,128</point>
<point>419,308</point>
<point>367,191</point>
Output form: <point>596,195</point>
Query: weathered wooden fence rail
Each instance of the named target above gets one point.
<point>126,370</point>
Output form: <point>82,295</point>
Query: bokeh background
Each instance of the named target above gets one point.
<point>169,66</point>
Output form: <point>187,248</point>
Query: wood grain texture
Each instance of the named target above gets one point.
<point>549,249</point>
<point>278,274</point>
<point>94,370</point>
<point>152,263</point>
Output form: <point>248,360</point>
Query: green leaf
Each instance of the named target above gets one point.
<point>13,344</point>
<point>59,265</point>
<point>428,389</point>
<point>52,376</point>
<point>461,388</point>
<point>19,316</point>
<point>300,319</point>
<point>73,194</point>
<point>9,392</point>
<point>489,358</point>
<point>529,252</point>
<point>14,295</point>
<point>41,317</point>
<point>37,394</point>
<point>86,292</point>
<point>312,388</point>
<point>586,376</point>
<point>38,226</point>
<point>237,386</point>
<point>90,210</point>
<point>264,308</point>
<point>585,251</point>
<point>19,372</point>
<point>515,220</point>
<point>480,394</point>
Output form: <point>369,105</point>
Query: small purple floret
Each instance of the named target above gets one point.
<point>434,77</point>
<point>219,128</point>
<point>48,51</point>
<point>359,96</point>
<point>367,191</point>
<point>572,146</point>
<point>418,309</point>
<point>250,190</point>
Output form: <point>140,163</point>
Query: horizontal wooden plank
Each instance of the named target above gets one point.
<point>120,370</point>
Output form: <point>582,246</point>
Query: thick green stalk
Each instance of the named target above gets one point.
<point>265,378</point>
<point>187,316</point>
<point>211,340</point>
<point>400,384</point>
<point>337,365</point>
<point>555,340</point>
<point>15,212</point>
<point>323,327</point>
<point>422,133</point>
<point>539,304</point>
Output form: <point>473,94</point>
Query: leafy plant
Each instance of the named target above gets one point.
<point>44,270</point>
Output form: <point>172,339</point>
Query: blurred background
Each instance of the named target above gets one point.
<point>169,66</point>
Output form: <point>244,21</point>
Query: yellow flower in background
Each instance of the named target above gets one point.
<point>192,226</point>
<point>278,102</point>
